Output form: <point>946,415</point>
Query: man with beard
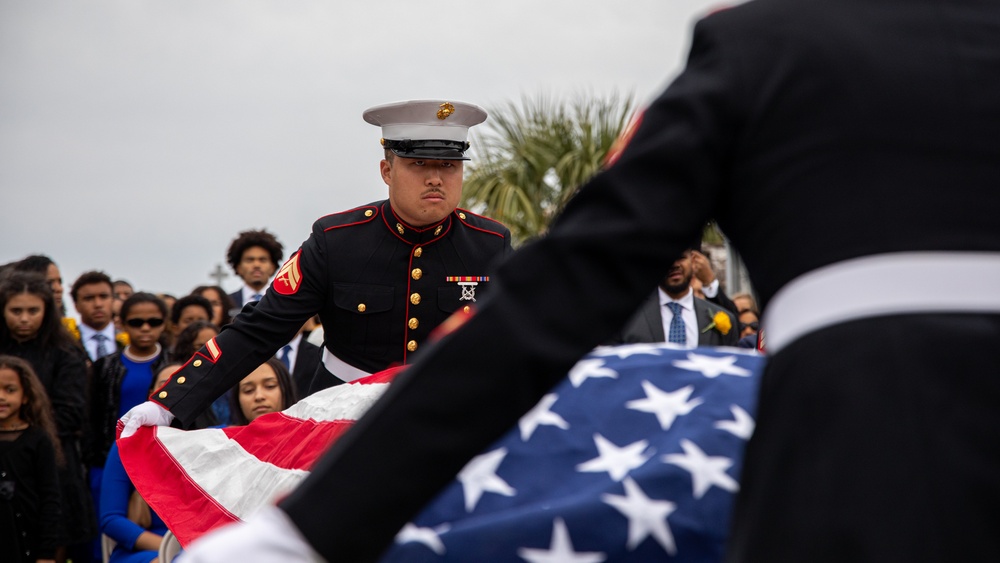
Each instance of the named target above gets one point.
<point>674,314</point>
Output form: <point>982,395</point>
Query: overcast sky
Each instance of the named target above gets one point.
<point>139,137</point>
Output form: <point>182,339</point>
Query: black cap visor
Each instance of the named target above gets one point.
<point>429,149</point>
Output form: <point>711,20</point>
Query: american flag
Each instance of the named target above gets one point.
<point>199,480</point>
<point>635,456</point>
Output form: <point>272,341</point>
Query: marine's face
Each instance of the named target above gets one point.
<point>423,192</point>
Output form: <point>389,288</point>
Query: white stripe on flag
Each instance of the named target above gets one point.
<point>341,402</point>
<point>238,481</point>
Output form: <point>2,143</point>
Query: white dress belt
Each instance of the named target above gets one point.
<point>341,369</point>
<point>883,284</point>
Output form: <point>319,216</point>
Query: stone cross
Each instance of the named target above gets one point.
<point>218,274</point>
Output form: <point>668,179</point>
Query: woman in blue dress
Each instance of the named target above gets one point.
<point>135,543</point>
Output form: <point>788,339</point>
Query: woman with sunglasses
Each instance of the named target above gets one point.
<point>121,380</point>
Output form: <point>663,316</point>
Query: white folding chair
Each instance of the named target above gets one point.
<point>169,547</point>
<point>107,546</point>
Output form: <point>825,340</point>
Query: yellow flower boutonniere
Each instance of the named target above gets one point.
<point>70,324</point>
<point>122,338</point>
<point>721,323</point>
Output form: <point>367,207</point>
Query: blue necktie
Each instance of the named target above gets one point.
<point>256,297</point>
<point>284,356</point>
<point>102,347</point>
<point>678,330</point>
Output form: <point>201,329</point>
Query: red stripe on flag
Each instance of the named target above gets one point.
<point>190,511</point>
<point>287,442</point>
<point>163,483</point>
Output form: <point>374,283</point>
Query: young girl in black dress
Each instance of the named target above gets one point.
<point>29,456</point>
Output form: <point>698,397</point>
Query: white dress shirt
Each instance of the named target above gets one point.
<point>687,314</point>
<point>248,294</point>
<point>293,354</point>
<point>87,339</point>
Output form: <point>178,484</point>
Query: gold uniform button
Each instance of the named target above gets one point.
<point>416,274</point>
<point>181,380</point>
<point>461,215</point>
<point>197,363</point>
<point>163,394</point>
<point>411,346</point>
<point>466,309</point>
<point>417,252</point>
<point>362,308</point>
<point>368,213</point>
<point>413,324</point>
<point>415,299</point>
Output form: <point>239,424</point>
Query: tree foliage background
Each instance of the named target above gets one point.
<point>531,157</point>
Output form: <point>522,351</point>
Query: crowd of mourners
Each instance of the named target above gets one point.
<point>64,383</point>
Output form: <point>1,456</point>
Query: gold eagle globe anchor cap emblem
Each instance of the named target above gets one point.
<point>426,129</point>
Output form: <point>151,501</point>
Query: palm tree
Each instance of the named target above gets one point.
<point>532,157</point>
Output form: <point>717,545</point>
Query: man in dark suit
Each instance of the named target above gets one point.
<point>302,359</point>
<point>697,321</point>
<point>845,147</point>
<point>93,297</point>
<point>255,256</point>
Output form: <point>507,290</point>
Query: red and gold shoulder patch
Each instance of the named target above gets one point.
<point>213,350</point>
<point>289,277</point>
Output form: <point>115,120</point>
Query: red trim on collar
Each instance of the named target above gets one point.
<point>407,226</point>
<point>365,220</point>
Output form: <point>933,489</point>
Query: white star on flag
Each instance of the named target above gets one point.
<point>616,461</point>
<point>711,366</point>
<point>426,536</point>
<point>590,368</point>
<point>666,406</point>
<point>541,415</point>
<point>480,475</point>
<point>705,470</point>
<point>561,549</point>
<point>742,424</point>
<point>646,517</point>
<point>626,350</point>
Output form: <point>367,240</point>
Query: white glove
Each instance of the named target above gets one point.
<point>144,414</point>
<point>269,535</point>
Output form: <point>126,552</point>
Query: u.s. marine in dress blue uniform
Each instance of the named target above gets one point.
<point>379,284</point>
